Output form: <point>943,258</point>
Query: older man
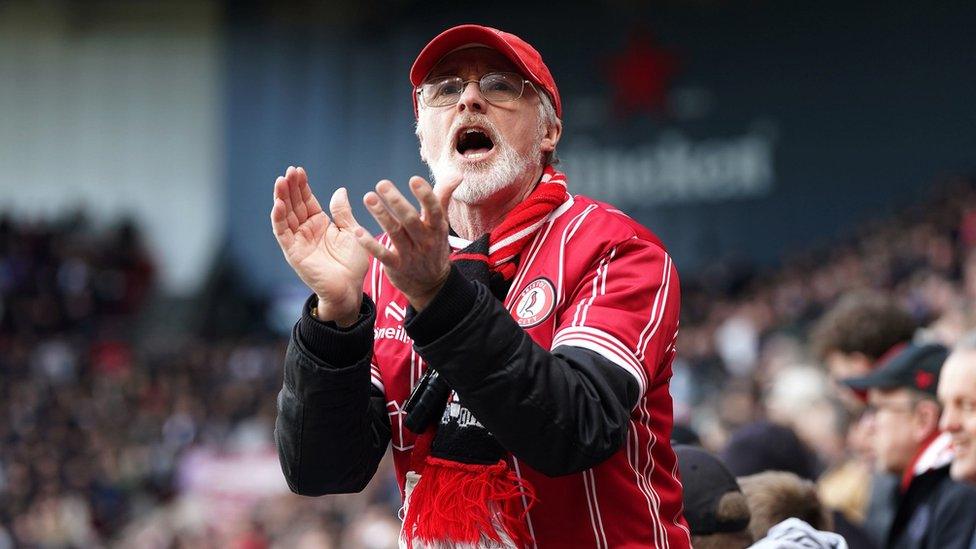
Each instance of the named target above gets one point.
<point>513,341</point>
<point>957,394</point>
<point>932,509</point>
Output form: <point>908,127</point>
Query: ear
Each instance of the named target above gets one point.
<point>925,419</point>
<point>551,137</point>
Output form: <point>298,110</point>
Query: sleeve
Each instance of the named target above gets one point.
<point>626,310</point>
<point>332,428</point>
<point>563,409</point>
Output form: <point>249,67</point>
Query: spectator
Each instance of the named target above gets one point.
<point>716,510</point>
<point>853,335</point>
<point>852,338</point>
<point>932,510</point>
<point>765,446</point>
<point>775,496</point>
<point>957,394</point>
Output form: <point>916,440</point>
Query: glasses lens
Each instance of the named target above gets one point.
<point>496,87</point>
<point>501,86</point>
<point>442,92</point>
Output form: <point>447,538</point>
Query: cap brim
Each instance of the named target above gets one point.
<point>871,382</point>
<point>459,36</point>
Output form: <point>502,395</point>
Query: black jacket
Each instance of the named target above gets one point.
<point>560,411</point>
<point>934,513</point>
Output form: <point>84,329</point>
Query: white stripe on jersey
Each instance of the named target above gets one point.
<point>606,345</point>
<point>534,248</point>
<point>374,376</point>
<point>525,503</point>
<point>596,520</point>
<point>633,439</point>
<point>657,310</point>
<point>681,509</point>
<point>599,288</point>
<point>568,233</point>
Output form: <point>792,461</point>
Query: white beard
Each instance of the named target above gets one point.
<point>506,168</point>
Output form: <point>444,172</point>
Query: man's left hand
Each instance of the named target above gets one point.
<point>419,262</point>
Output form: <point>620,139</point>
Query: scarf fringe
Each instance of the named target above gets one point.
<point>466,503</point>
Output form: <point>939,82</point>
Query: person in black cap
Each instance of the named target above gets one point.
<point>716,511</point>
<point>932,510</point>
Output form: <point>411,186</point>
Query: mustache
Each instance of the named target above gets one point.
<point>477,120</point>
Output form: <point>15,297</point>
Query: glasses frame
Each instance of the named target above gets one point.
<point>419,90</point>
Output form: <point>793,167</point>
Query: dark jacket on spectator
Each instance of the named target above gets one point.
<point>935,512</point>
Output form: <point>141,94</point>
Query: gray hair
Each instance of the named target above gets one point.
<point>548,119</point>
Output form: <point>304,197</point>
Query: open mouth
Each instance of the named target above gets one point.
<point>473,142</point>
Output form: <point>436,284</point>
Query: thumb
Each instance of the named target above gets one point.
<point>341,210</point>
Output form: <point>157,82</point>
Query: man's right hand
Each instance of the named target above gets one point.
<point>324,253</point>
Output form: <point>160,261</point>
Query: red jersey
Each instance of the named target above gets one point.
<point>596,279</point>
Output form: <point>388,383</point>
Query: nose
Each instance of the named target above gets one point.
<point>471,98</point>
<point>949,421</point>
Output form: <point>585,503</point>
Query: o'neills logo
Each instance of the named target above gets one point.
<point>535,303</point>
<point>397,333</point>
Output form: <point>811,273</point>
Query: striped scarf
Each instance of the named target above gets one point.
<point>506,241</point>
<point>461,491</point>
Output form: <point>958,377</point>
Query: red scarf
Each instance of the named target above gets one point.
<point>459,499</point>
<point>507,240</point>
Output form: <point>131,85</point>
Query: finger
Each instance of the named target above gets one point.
<point>281,188</point>
<point>341,210</point>
<point>387,257</point>
<point>308,197</point>
<point>400,207</point>
<point>279,218</point>
<point>431,211</point>
<point>444,191</point>
<point>378,210</point>
<point>282,193</point>
<point>295,192</point>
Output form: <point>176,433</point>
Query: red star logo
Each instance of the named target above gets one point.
<point>641,76</point>
<point>923,379</point>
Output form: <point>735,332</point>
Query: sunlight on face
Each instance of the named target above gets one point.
<point>957,394</point>
<point>515,130</point>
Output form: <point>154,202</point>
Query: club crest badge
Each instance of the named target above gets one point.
<point>535,303</point>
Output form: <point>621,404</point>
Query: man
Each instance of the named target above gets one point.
<point>714,505</point>
<point>775,496</point>
<point>514,342</point>
<point>957,394</point>
<point>852,338</point>
<point>855,334</point>
<point>931,509</point>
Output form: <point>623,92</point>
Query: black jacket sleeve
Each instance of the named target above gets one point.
<point>332,428</point>
<point>561,411</point>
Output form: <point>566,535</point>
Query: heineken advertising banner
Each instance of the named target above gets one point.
<point>743,130</point>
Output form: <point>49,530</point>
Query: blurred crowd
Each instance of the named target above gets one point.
<point>105,425</point>
<point>112,432</point>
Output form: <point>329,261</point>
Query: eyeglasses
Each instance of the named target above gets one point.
<point>496,87</point>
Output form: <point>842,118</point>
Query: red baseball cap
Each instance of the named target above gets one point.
<point>518,51</point>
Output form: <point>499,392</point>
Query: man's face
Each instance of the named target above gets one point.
<point>496,169</point>
<point>895,442</point>
<point>957,394</point>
